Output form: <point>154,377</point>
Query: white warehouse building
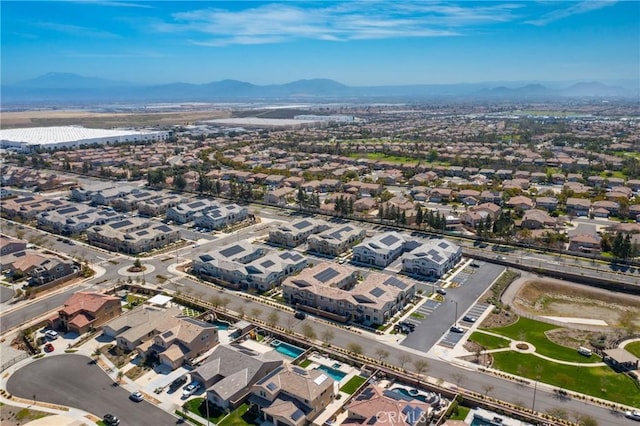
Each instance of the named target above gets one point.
<point>31,138</point>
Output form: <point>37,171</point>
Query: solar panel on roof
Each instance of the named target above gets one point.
<point>163,228</point>
<point>389,240</point>
<point>272,386</point>
<point>196,204</point>
<point>302,224</point>
<point>298,414</point>
<point>66,210</point>
<point>396,283</point>
<point>82,217</point>
<point>326,275</point>
<point>377,292</point>
<point>121,224</point>
<point>268,263</point>
<point>143,232</point>
<point>232,251</point>
<point>443,245</point>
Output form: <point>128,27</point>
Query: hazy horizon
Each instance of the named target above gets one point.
<point>354,43</point>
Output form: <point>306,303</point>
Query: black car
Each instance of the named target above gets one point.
<point>177,383</point>
<point>411,326</point>
<point>300,315</point>
<point>441,291</point>
<point>111,420</point>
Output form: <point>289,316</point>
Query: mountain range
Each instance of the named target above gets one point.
<point>66,88</point>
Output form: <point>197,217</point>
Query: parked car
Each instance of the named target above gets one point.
<point>51,334</point>
<point>177,383</point>
<point>633,415</point>
<point>300,315</point>
<point>411,326</point>
<point>441,291</point>
<point>49,347</point>
<point>467,318</point>
<point>475,265</point>
<point>190,389</point>
<point>110,420</point>
<point>136,396</point>
<point>456,329</point>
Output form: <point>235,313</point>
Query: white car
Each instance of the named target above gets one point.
<point>51,334</point>
<point>137,396</point>
<point>190,389</point>
<point>633,415</point>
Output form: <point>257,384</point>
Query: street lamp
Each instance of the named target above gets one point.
<point>535,388</point>
<point>455,322</point>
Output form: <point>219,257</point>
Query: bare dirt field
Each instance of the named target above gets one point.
<point>544,297</point>
<point>15,416</point>
<point>104,120</point>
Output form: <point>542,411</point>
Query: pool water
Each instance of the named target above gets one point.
<point>221,325</point>
<point>289,350</point>
<point>335,374</point>
<point>405,392</point>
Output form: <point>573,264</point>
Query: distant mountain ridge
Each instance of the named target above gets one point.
<point>68,87</point>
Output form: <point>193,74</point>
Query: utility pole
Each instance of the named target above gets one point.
<point>455,322</point>
<point>535,388</point>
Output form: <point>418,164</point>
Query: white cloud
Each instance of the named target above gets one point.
<point>76,30</point>
<point>573,9</point>
<point>280,22</point>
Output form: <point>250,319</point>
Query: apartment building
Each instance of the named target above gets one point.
<point>380,250</point>
<point>75,219</point>
<point>334,290</point>
<point>186,212</point>
<point>296,233</point>
<point>336,241</point>
<point>158,206</point>
<point>132,236</point>
<point>432,259</point>
<point>220,217</point>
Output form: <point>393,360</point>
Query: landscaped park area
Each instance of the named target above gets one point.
<point>547,352</point>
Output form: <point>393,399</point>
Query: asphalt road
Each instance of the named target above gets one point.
<point>436,324</point>
<point>75,381</point>
<point>6,293</point>
<point>34,310</point>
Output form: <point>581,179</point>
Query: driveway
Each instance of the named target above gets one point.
<point>74,380</point>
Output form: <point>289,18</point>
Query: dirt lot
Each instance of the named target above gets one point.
<point>553,298</point>
<point>16,416</point>
<point>104,120</point>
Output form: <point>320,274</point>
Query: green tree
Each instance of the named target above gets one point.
<point>179,182</point>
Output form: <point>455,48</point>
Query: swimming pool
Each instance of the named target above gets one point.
<point>221,325</point>
<point>287,349</point>
<point>335,374</point>
<point>407,393</point>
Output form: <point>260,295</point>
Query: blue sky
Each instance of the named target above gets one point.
<point>356,43</point>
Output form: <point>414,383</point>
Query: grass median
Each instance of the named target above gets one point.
<point>488,341</point>
<point>533,332</point>
<point>600,382</point>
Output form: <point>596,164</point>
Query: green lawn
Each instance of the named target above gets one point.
<point>417,315</point>
<point>305,363</point>
<point>601,382</point>
<point>239,417</point>
<point>488,341</point>
<point>533,332</point>
<point>197,406</point>
<point>634,348</point>
<point>460,413</point>
<point>352,385</point>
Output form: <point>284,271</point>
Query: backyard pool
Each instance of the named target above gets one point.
<point>221,325</point>
<point>335,374</point>
<point>287,349</point>
<point>409,394</point>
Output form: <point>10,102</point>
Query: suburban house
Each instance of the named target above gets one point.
<point>329,289</point>
<point>380,250</point>
<point>85,311</point>
<point>520,202</point>
<point>432,259</point>
<point>478,214</point>
<point>399,409</point>
<point>296,233</point>
<point>292,396</point>
<point>547,203</point>
<point>220,217</point>
<point>584,243</point>
<point>186,212</point>
<point>243,265</point>
<point>162,333</point>
<point>230,371</point>
<point>132,236</point>
<point>280,196</point>
<point>10,245</point>
<point>336,241</point>
<point>41,268</point>
<point>538,219</point>
<point>578,206</point>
